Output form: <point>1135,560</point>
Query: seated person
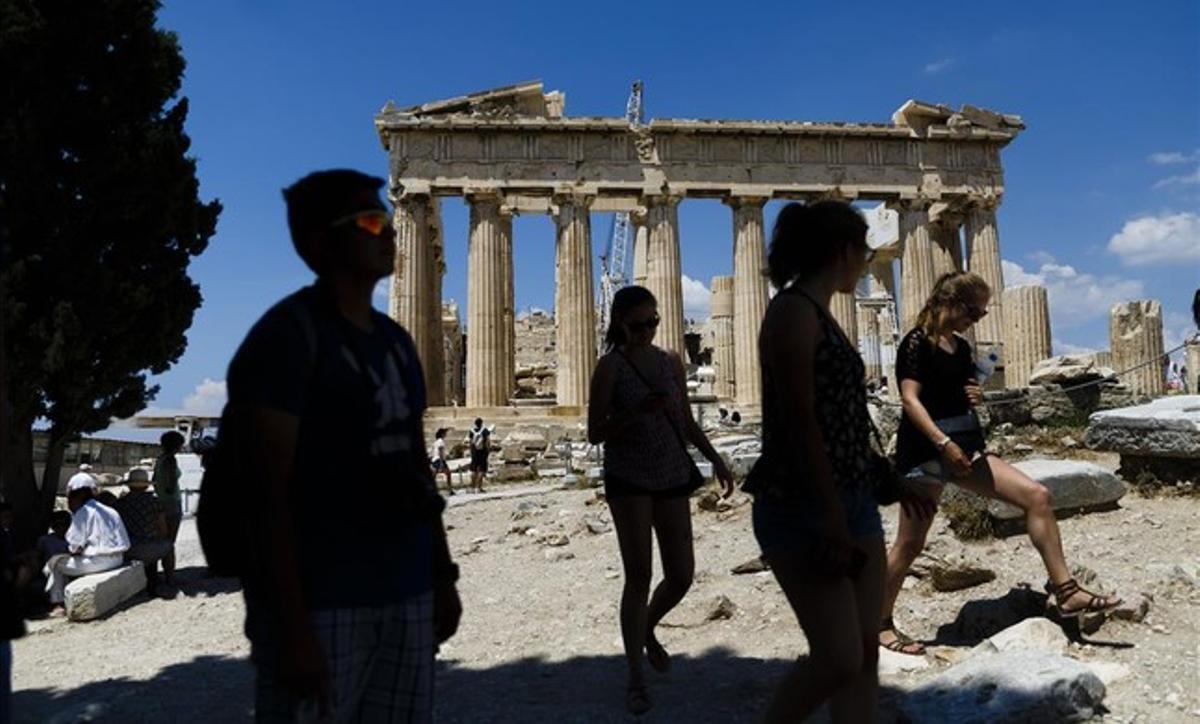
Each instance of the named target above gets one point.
<point>54,542</point>
<point>96,541</point>
<point>146,523</point>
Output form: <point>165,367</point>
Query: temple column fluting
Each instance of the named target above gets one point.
<point>637,220</point>
<point>983,258</point>
<point>916,261</point>
<point>868,338</point>
<point>947,246</point>
<point>724,360</point>
<point>1136,338</point>
<point>434,361</point>
<point>749,295</point>
<point>574,303</point>
<point>842,307</point>
<point>663,270</point>
<point>1027,338</point>
<point>488,302</point>
<point>409,299</point>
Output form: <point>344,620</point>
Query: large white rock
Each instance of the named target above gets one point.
<point>1032,634</point>
<point>1166,427</point>
<point>89,597</point>
<point>1067,369</point>
<point>1013,686</point>
<point>1075,485</point>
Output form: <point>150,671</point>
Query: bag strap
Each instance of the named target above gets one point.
<point>647,385</point>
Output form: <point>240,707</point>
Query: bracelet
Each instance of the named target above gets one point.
<point>941,444</point>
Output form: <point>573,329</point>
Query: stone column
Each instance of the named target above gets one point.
<point>947,246</point>
<point>916,262</point>
<point>1026,332</point>
<point>637,220</point>
<point>453,355</point>
<point>983,258</point>
<point>842,307</point>
<point>409,302</point>
<point>489,306</point>
<point>663,272</point>
<point>574,303</point>
<point>434,361</point>
<point>724,360</point>
<point>868,338</point>
<point>1135,333</point>
<point>749,295</point>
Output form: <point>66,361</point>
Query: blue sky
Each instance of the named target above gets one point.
<point>1103,188</point>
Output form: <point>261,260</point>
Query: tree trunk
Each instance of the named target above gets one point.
<point>50,475</point>
<point>20,484</point>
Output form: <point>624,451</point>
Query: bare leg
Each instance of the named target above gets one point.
<point>910,541</point>
<point>632,517</point>
<point>827,612</point>
<point>994,478</point>
<point>858,701</point>
<point>673,526</point>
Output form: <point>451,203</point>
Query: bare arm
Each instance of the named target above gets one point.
<point>910,399</point>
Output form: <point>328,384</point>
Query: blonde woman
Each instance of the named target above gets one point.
<point>940,442</point>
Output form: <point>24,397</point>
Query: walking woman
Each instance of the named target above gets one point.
<point>638,408</point>
<point>940,441</point>
<point>815,516</point>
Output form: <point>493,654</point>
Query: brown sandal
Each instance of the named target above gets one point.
<point>1096,603</point>
<point>902,642</point>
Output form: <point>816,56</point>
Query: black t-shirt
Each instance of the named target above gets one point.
<point>943,377</point>
<point>359,434</point>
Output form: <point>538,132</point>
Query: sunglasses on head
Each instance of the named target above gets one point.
<point>651,323</point>
<point>974,312</point>
<point>372,221</point>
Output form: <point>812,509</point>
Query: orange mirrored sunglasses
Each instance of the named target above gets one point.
<point>372,221</point>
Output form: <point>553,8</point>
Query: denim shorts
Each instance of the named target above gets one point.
<point>796,525</point>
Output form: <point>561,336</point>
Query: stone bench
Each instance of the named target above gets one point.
<point>1076,487</point>
<point>90,597</point>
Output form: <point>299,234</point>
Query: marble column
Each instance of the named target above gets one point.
<point>489,266</point>
<point>842,307</point>
<point>1026,332</point>
<point>916,261</point>
<point>881,279</point>
<point>947,246</point>
<point>510,304</point>
<point>434,360</point>
<point>1191,365</point>
<point>868,338</point>
<point>409,302</point>
<point>983,258</point>
<point>663,270</point>
<point>1136,338</point>
<point>749,295</point>
<point>574,303</point>
<point>637,221</point>
<point>724,360</point>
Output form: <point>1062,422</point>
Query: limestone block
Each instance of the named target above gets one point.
<point>1032,634</point>
<point>1167,427</point>
<point>1026,686</point>
<point>1068,369</point>
<point>89,597</point>
<point>1076,487</point>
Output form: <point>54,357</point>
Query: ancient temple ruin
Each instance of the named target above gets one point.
<point>513,151</point>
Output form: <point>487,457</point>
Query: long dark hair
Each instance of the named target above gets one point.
<point>626,299</point>
<point>806,239</point>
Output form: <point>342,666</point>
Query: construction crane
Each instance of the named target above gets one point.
<point>615,261</point>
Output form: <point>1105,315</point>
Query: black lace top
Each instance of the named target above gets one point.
<point>841,408</point>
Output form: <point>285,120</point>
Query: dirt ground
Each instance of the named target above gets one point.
<point>539,639</point>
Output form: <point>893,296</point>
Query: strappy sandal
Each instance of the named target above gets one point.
<point>1096,603</point>
<point>901,643</point>
<point>637,702</point>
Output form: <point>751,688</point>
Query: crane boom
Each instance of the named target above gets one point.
<point>614,262</point>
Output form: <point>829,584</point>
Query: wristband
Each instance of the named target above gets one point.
<point>941,444</point>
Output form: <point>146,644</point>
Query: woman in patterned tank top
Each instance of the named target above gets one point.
<point>638,408</point>
<point>815,516</point>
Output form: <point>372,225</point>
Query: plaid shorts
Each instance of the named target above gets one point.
<point>380,666</point>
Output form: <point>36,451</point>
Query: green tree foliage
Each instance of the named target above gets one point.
<point>100,216</point>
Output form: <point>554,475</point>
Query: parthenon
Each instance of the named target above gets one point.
<point>513,151</point>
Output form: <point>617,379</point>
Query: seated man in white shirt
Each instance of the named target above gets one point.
<point>96,541</point>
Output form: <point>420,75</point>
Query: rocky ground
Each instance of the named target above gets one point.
<point>539,639</point>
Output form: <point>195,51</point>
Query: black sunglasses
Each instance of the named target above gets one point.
<point>651,323</point>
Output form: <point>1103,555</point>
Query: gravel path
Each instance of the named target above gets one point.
<point>539,639</point>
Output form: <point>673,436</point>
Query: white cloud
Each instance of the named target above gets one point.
<point>696,299</point>
<point>1188,179</point>
<point>207,400</point>
<point>1169,158</point>
<point>938,66</point>
<point>1075,298</point>
<point>1061,347</point>
<point>1165,238</point>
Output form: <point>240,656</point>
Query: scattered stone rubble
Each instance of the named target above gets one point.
<point>1161,438</point>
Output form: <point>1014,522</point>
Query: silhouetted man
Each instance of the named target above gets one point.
<point>353,586</point>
